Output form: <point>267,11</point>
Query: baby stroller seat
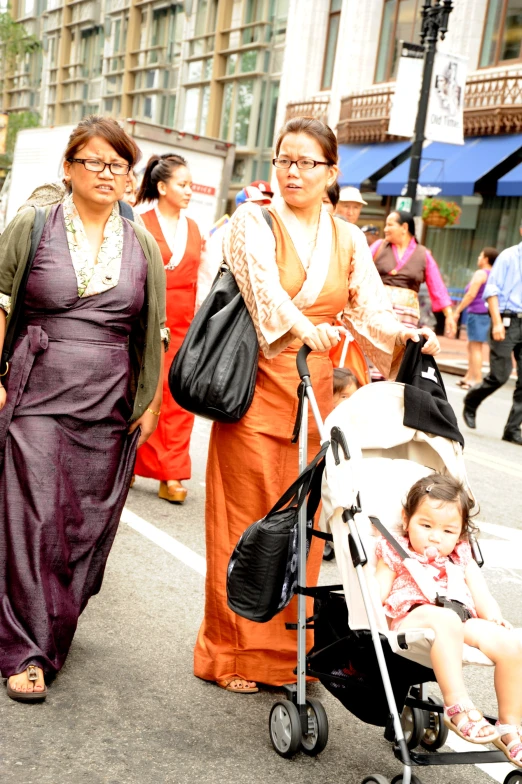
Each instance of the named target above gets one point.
<point>372,461</point>
<point>386,459</point>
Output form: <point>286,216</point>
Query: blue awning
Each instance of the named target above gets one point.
<point>457,168</point>
<point>511,183</point>
<point>361,162</point>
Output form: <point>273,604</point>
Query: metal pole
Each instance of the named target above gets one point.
<point>301,567</point>
<point>434,21</point>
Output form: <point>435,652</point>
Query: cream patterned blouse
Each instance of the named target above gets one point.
<point>94,275</point>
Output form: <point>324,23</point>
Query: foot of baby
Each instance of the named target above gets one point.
<point>469,723</point>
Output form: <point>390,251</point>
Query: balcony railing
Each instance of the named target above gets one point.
<point>317,107</point>
<point>492,106</point>
<point>364,116</point>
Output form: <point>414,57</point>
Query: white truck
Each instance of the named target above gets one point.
<point>38,158</point>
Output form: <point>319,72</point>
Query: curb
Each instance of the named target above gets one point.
<point>450,366</point>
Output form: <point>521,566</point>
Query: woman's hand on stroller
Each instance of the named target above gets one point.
<point>319,338</point>
<point>432,345</point>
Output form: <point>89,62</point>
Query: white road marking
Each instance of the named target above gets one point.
<point>165,541</point>
<point>496,770</point>
<point>494,462</point>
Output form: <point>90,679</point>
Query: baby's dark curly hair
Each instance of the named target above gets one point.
<point>447,490</point>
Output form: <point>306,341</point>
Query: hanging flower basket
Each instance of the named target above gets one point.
<point>439,213</point>
<point>436,220</point>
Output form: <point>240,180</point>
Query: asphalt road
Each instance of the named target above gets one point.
<point>126,708</point>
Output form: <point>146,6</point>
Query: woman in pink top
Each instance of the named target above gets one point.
<point>404,265</point>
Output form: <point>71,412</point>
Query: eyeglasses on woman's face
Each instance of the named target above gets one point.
<point>302,163</point>
<point>93,165</point>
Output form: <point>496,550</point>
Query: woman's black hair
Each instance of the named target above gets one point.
<point>405,217</point>
<point>333,193</point>
<point>160,168</point>
<point>490,254</point>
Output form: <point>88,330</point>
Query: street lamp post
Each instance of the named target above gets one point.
<point>434,22</point>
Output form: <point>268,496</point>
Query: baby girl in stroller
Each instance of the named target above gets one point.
<point>437,524</point>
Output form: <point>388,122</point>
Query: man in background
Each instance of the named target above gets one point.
<point>503,294</point>
<point>350,204</point>
<point>371,233</point>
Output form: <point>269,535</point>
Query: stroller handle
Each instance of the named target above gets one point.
<point>302,365</point>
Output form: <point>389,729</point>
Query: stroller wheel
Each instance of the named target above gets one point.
<point>375,778</point>
<point>514,777</point>
<point>285,728</point>
<point>316,739</point>
<point>398,779</point>
<point>412,721</point>
<point>436,732</point>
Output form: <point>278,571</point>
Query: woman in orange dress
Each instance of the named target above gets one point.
<point>167,179</point>
<point>294,279</point>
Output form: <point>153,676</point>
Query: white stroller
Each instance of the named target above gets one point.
<point>379,675</point>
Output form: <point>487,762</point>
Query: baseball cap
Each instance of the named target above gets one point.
<point>251,193</point>
<point>263,186</point>
<point>369,229</point>
<point>351,194</point>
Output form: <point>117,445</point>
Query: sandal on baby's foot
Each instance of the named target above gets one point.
<point>28,696</point>
<point>513,749</point>
<point>238,685</point>
<point>470,724</point>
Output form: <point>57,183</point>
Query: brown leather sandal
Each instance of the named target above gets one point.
<point>227,685</point>
<point>176,494</point>
<point>28,696</point>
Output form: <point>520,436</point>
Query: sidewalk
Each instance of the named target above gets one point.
<point>453,357</point>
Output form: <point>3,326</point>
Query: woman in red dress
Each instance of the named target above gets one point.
<point>167,181</point>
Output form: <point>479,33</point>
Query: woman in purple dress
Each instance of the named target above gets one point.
<point>83,392</point>
<point>478,323</point>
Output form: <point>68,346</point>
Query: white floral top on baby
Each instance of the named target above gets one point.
<point>405,592</point>
<point>94,275</point>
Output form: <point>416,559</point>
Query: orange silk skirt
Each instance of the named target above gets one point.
<point>250,465</point>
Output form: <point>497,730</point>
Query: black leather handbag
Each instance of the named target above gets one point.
<point>262,571</point>
<point>214,372</point>
<point>13,327</point>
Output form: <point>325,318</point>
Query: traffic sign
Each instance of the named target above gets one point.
<point>404,204</point>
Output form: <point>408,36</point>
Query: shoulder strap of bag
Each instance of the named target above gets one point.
<point>126,210</point>
<point>13,327</point>
<point>416,569</point>
<point>224,264</point>
<point>267,217</point>
<point>298,490</point>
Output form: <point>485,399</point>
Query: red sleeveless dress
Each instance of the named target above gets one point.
<point>166,453</point>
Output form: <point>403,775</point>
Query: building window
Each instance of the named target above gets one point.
<point>331,43</point>
<point>401,21</point>
<point>91,52</point>
<point>502,39</point>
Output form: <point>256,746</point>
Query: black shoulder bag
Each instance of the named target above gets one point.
<point>214,372</point>
<point>262,571</point>
<point>13,327</point>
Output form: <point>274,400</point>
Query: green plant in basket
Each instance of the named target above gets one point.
<point>449,211</point>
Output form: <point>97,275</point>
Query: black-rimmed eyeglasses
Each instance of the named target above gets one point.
<point>99,166</point>
<point>301,163</point>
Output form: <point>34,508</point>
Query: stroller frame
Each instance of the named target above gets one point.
<point>297,722</point>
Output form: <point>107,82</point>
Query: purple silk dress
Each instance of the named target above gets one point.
<point>67,458</point>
